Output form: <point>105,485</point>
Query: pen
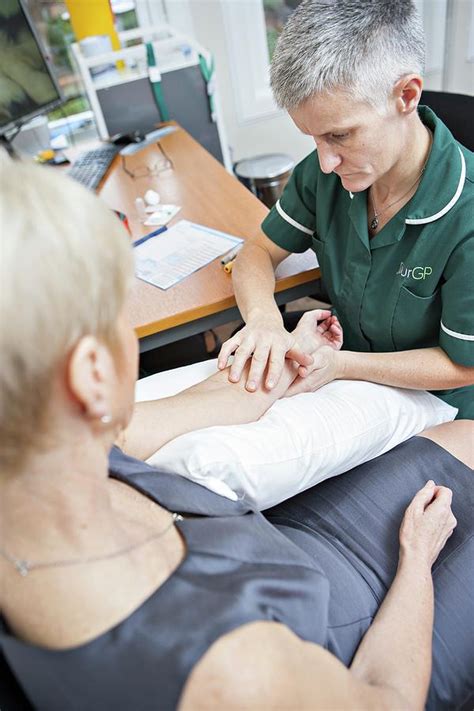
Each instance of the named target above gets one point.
<point>230,256</point>
<point>149,236</point>
<point>228,266</point>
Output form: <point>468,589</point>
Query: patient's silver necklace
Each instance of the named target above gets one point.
<point>374,223</point>
<point>23,567</point>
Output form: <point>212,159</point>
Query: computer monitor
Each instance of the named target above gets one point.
<point>27,83</point>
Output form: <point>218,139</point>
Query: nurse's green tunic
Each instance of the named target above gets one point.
<point>412,285</point>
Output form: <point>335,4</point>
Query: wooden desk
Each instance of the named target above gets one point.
<point>208,195</point>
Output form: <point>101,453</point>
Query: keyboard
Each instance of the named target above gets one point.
<point>91,167</point>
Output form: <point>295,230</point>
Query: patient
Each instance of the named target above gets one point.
<point>125,588</point>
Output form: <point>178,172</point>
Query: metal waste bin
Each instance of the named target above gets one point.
<point>265,175</point>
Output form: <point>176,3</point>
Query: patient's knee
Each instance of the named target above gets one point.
<point>456,437</point>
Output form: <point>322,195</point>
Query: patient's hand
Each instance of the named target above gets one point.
<point>427,525</point>
<point>311,335</point>
<point>319,341</point>
<point>331,332</point>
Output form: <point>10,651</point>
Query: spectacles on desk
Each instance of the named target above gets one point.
<point>144,171</point>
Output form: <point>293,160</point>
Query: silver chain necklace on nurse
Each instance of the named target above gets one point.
<point>374,223</point>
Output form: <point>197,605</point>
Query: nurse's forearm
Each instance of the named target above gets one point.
<point>253,278</point>
<point>422,369</point>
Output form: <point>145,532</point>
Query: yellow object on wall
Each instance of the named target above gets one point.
<point>92,17</point>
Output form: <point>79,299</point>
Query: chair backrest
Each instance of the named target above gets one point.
<point>456,111</point>
<point>12,697</point>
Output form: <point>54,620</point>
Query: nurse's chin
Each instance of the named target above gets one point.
<point>356,183</point>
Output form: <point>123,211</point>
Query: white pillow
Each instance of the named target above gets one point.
<point>298,442</point>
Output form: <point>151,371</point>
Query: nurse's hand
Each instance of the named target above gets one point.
<point>323,370</point>
<point>268,343</point>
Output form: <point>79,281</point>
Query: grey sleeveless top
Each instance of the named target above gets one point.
<point>238,569</point>
<point>242,567</point>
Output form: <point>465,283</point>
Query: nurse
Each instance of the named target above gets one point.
<point>385,201</point>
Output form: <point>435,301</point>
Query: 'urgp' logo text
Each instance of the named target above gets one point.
<point>415,273</point>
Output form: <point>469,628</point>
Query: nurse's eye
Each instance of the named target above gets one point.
<point>339,136</point>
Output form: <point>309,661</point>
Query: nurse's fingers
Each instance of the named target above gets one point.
<point>295,353</point>
<point>276,363</point>
<point>257,366</point>
<point>242,354</point>
<point>227,348</point>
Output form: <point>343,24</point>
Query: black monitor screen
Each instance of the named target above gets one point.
<point>27,86</point>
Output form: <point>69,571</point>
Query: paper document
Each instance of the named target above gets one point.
<point>178,252</point>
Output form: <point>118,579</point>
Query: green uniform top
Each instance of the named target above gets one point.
<point>410,286</point>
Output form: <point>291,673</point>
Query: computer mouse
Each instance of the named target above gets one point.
<point>124,139</point>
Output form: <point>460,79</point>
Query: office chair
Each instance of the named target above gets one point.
<point>456,111</point>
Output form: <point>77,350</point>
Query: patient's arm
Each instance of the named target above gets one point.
<point>216,401</point>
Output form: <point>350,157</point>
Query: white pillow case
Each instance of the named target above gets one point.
<point>298,442</point>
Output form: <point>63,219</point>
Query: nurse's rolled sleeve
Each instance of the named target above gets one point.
<point>290,223</point>
<point>457,320</point>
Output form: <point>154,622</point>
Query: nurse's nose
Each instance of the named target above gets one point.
<point>328,158</point>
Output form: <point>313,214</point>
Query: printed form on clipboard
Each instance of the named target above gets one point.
<point>180,251</point>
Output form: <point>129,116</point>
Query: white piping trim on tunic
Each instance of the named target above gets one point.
<point>455,334</point>
<point>451,203</point>
<point>291,221</point>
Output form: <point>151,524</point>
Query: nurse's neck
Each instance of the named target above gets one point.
<point>405,175</point>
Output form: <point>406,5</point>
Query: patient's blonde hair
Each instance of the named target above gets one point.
<point>65,266</point>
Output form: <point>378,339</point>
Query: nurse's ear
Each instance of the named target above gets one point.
<point>407,93</point>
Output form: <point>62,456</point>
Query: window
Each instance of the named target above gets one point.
<point>252,29</point>
<point>276,13</point>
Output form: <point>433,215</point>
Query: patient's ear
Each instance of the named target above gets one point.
<point>89,373</point>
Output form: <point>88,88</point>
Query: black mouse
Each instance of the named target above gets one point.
<point>123,139</point>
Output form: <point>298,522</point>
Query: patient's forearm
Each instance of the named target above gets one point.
<point>396,650</point>
<point>214,401</point>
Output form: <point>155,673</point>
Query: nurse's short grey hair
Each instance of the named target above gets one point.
<point>65,268</point>
<point>359,46</point>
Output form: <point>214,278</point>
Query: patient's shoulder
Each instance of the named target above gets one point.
<point>265,665</point>
<point>239,670</point>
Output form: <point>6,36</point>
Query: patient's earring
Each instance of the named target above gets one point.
<point>106,419</point>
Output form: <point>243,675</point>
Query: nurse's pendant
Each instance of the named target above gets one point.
<point>375,223</point>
